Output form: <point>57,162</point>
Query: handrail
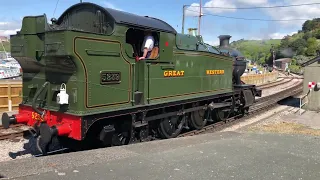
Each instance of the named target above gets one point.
<point>301,98</point>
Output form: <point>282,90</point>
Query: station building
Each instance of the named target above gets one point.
<point>283,63</point>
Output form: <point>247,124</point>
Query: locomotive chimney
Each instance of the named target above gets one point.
<point>224,40</point>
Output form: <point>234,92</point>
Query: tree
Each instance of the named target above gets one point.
<point>301,51</point>
<point>312,47</point>
<point>316,34</point>
<point>300,59</point>
<point>284,43</point>
<point>295,45</point>
<point>307,26</point>
<point>311,25</point>
<point>308,35</point>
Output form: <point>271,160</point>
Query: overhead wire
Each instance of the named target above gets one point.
<point>251,19</point>
<point>55,8</point>
<point>258,7</point>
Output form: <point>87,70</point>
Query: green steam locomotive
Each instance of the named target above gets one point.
<point>82,79</point>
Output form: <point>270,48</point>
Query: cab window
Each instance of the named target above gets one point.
<point>135,39</point>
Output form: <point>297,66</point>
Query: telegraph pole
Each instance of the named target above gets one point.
<point>273,54</point>
<point>80,1</point>
<point>199,23</point>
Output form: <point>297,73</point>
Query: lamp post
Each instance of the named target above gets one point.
<point>183,16</point>
<point>199,23</point>
<point>273,55</point>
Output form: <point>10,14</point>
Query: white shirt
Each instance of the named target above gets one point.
<point>148,43</point>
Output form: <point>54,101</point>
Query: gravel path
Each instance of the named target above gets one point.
<point>12,147</point>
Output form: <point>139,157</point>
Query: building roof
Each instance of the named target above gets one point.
<point>126,18</point>
<point>283,59</point>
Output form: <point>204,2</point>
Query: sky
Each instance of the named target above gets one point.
<point>212,23</point>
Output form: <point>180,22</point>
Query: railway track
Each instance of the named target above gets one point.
<point>273,84</point>
<point>261,104</point>
<point>13,132</point>
<point>264,104</point>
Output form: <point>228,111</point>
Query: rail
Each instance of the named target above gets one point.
<point>263,105</point>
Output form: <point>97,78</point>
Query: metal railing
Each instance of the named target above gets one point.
<point>301,99</point>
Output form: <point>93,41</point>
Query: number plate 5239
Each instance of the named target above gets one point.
<point>35,116</point>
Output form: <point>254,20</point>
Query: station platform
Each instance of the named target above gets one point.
<point>227,155</point>
<point>281,146</point>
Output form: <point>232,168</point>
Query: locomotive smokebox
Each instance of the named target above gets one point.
<point>239,64</point>
<point>224,40</point>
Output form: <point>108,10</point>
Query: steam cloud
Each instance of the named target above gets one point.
<point>287,52</point>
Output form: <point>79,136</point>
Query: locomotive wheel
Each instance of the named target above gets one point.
<point>122,135</point>
<point>244,111</point>
<point>171,127</point>
<point>122,138</point>
<point>198,119</point>
<point>221,115</point>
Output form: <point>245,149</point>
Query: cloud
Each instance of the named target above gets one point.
<point>192,10</point>
<point>109,5</point>
<point>275,35</point>
<point>8,28</point>
<point>252,2</point>
<point>280,35</point>
<point>295,12</point>
<point>283,14</point>
<point>7,33</point>
<point>219,3</point>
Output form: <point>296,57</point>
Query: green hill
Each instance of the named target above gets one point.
<point>255,50</point>
<point>302,46</point>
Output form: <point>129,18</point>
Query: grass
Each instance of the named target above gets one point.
<point>256,50</point>
<point>256,45</point>
<point>288,128</point>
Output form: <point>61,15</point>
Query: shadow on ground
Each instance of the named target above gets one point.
<point>29,147</point>
<point>290,101</point>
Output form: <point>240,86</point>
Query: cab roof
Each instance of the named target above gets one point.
<point>125,18</point>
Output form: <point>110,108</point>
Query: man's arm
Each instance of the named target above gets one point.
<point>145,50</point>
